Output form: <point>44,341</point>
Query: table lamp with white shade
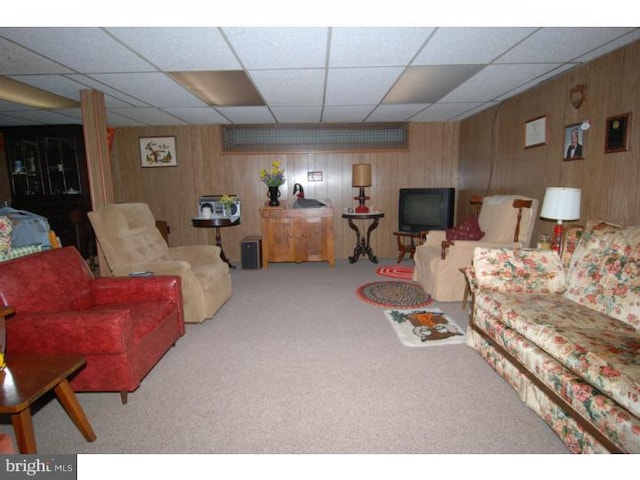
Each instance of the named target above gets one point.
<point>561,204</point>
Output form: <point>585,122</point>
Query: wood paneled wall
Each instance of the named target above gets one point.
<point>484,154</point>
<point>493,158</point>
<point>172,192</point>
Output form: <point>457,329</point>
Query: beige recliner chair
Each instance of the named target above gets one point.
<point>506,221</point>
<point>130,242</point>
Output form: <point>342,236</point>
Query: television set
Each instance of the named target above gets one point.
<point>425,209</point>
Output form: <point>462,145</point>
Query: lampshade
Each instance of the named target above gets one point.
<point>561,203</point>
<point>361,175</point>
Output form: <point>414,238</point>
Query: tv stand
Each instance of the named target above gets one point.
<point>403,247</point>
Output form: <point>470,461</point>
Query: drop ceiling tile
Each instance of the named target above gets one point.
<point>429,83</point>
<point>560,44</point>
<point>115,120</point>
<point>180,48</point>
<point>288,47</point>
<point>91,83</point>
<point>440,111</point>
<point>198,115</point>
<point>46,117</point>
<point>75,113</point>
<point>247,115</point>
<point>341,114</point>
<point>302,114</point>
<point>537,80</point>
<point>290,87</point>
<point>629,37</point>
<point>60,85</point>
<point>79,48</point>
<point>9,121</point>
<point>153,88</point>
<point>480,107</point>
<point>148,116</point>
<point>16,60</point>
<point>395,113</point>
<point>465,45</point>
<point>375,47</point>
<point>7,106</point>
<point>494,81</point>
<point>359,86</point>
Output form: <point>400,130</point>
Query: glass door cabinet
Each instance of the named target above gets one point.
<point>48,176</point>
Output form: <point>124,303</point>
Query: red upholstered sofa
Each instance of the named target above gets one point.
<point>122,325</point>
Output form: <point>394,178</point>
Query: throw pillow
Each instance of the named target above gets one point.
<point>467,230</point>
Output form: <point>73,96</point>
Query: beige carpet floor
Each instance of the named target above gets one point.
<point>296,363</point>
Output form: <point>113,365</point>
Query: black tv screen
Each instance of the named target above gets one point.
<point>425,209</point>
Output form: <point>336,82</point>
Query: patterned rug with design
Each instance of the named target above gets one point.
<point>424,328</point>
<point>394,294</point>
<point>396,271</point>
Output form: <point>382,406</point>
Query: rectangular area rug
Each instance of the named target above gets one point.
<point>424,327</point>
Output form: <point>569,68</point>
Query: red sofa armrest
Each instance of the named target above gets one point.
<point>109,290</point>
<point>95,332</point>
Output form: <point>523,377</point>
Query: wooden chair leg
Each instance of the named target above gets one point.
<point>124,396</point>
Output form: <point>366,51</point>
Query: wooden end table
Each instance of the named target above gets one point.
<point>25,379</point>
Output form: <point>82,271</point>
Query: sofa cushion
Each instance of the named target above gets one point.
<point>604,272</point>
<point>141,245</point>
<point>601,350</point>
<point>467,230</point>
<point>518,270</point>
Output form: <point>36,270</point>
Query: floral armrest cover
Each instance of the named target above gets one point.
<point>518,270</point>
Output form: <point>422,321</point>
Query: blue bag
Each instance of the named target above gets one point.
<point>28,228</point>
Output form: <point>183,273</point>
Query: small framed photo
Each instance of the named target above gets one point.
<point>574,142</point>
<point>535,132</point>
<point>158,152</point>
<point>617,139</point>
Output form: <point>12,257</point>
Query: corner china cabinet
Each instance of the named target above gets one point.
<point>48,175</point>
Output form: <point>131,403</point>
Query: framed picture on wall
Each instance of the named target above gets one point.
<point>535,132</point>
<point>574,142</point>
<point>158,152</point>
<point>617,139</point>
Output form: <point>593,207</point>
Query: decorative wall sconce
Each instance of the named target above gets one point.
<point>577,94</point>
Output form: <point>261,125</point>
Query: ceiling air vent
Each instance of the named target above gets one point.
<point>314,138</point>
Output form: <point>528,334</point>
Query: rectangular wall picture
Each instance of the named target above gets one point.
<point>574,142</point>
<point>617,133</point>
<point>535,132</point>
<point>158,152</point>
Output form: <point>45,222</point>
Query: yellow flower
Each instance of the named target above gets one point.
<point>274,177</point>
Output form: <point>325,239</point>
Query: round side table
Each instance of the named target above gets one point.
<point>363,244</point>
<point>217,223</point>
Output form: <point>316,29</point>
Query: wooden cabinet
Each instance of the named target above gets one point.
<point>48,175</point>
<point>297,235</point>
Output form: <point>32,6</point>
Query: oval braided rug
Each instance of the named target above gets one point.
<point>394,294</point>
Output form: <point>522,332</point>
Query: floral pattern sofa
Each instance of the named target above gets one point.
<point>565,332</point>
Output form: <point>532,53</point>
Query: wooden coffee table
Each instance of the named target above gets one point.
<point>25,379</point>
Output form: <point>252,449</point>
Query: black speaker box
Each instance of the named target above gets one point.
<point>251,249</point>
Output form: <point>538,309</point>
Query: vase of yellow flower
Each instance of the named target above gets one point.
<point>273,178</point>
<point>273,193</point>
